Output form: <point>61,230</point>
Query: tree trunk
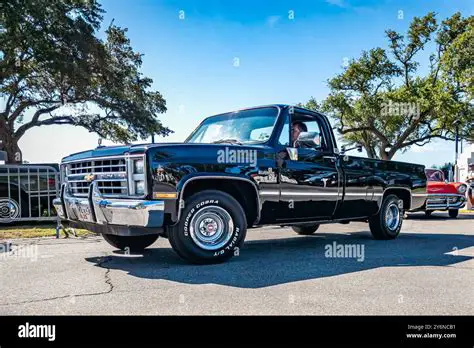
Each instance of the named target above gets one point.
<point>370,151</point>
<point>9,144</point>
<point>384,155</point>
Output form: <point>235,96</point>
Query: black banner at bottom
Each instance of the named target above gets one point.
<point>135,331</point>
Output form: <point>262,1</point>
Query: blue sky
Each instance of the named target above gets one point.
<point>210,56</point>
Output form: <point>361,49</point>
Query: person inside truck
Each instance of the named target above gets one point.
<point>296,128</point>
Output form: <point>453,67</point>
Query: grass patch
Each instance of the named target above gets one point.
<point>11,232</point>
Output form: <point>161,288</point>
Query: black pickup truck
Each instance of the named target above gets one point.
<point>235,171</point>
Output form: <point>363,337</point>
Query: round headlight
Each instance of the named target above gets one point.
<point>462,188</point>
<point>138,167</point>
<point>140,187</point>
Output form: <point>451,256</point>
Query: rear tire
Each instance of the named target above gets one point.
<point>211,229</point>
<point>305,230</point>
<point>453,213</point>
<point>131,243</point>
<point>387,223</point>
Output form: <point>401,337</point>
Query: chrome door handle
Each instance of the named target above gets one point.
<point>332,158</point>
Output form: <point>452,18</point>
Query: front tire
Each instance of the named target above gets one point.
<point>305,230</point>
<point>211,229</point>
<point>131,243</point>
<point>387,223</point>
<point>453,213</point>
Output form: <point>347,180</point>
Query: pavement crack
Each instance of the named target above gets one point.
<point>107,279</point>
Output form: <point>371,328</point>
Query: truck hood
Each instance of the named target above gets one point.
<point>106,151</point>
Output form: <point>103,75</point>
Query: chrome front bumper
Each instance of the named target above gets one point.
<point>445,201</point>
<point>95,209</point>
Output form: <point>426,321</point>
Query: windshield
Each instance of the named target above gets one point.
<point>434,175</point>
<point>241,127</point>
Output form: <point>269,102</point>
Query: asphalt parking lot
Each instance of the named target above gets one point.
<point>428,270</point>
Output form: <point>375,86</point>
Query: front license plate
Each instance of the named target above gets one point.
<point>84,213</point>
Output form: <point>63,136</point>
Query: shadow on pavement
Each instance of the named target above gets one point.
<point>271,262</point>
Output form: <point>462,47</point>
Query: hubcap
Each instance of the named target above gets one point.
<point>9,209</point>
<point>392,217</point>
<point>211,228</point>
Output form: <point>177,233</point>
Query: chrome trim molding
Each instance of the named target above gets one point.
<point>316,194</point>
<point>269,193</point>
<point>100,158</point>
<point>446,194</point>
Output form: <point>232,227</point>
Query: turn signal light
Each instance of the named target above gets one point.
<point>168,195</point>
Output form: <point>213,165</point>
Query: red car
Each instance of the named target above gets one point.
<point>444,195</point>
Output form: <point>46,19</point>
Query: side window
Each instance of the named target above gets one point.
<point>284,138</point>
<point>314,126</point>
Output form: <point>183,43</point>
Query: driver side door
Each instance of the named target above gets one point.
<point>309,183</point>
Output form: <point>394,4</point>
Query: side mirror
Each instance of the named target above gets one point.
<point>309,139</point>
<point>345,149</point>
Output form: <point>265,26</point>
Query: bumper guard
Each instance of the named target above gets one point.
<point>96,210</point>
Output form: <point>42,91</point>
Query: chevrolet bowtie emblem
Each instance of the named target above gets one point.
<point>89,177</point>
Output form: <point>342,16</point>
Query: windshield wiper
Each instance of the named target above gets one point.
<point>232,141</point>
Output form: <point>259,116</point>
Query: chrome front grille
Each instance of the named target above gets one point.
<point>110,174</point>
<point>99,166</point>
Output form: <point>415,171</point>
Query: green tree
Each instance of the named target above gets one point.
<point>53,65</point>
<point>382,102</point>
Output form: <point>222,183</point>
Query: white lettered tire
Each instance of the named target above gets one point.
<point>211,229</point>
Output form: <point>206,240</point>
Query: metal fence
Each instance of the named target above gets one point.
<point>27,191</point>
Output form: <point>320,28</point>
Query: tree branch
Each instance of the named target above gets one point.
<point>428,137</point>
<point>409,130</point>
<point>353,130</point>
<point>34,121</point>
<point>26,104</point>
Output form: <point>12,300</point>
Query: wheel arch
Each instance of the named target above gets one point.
<point>403,193</point>
<point>244,190</point>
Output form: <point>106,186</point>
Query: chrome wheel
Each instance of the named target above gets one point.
<point>9,209</point>
<point>211,228</point>
<point>392,217</point>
